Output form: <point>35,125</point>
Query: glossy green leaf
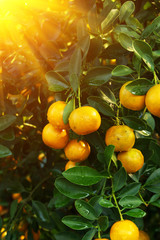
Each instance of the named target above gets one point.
<point>126,10</point>
<point>119,179</point>
<point>97,76</point>
<point>85,209</point>
<point>59,200</point>
<point>130,190</point>
<point>107,95</point>
<point>13,208</point>
<point>108,153</point>
<point>96,45</point>
<point>150,120</point>
<point>135,123</point>
<point>56,82</point>
<point>94,201</point>
<point>154,198</point>
<point>143,50</point>
<point>67,110</point>
<point>90,234</point>
<point>74,81</point>
<point>111,17</point>
<point>156,203</point>
<point>152,27</point>
<point>106,203</point>
<point>40,210</point>
<point>153,182</point>
<point>136,213</point>
<point>101,105</point>
<point>83,175</point>
<point>4,151</point>
<point>71,190</point>
<point>103,223</point>
<point>130,202</point>
<point>84,44</point>
<point>126,42</point>
<point>139,86</point>
<point>6,121</point>
<point>76,222</point>
<point>121,70</point>
<point>75,62</point>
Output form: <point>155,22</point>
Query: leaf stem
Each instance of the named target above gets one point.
<point>119,210</point>
<point>146,204</point>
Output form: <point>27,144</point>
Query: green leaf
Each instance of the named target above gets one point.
<point>101,105</point>
<point>107,95</point>
<point>119,179</point>
<point>7,134</point>
<point>135,123</point>
<point>97,76</point>
<point>81,29</point>
<point>139,86</point>
<point>74,81</point>
<point>130,202</point>
<point>108,153</point>
<point>130,190</point>
<point>106,203</point>
<point>152,27</point>
<point>56,82</point>
<point>4,151</point>
<point>40,210</point>
<point>95,48</point>
<point>126,42</point>
<point>71,190</point>
<point>103,223</point>
<point>126,10</point>
<point>84,44</point>
<point>67,110</point>
<point>136,213</point>
<point>153,182</point>
<point>156,203</point>
<point>14,186</point>
<point>76,222</point>
<point>75,62</point>
<point>150,120</point>
<point>13,208</point>
<point>154,197</point>
<point>6,121</point>
<point>83,175</point>
<point>121,70</point>
<point>143,50</point>
<point>108,21</point>
<point>62,66</point>
<point>85,210</point>
<point>59,200</point>
<point>90,234</point>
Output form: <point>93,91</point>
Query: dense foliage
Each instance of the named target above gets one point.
<point>82,54</point>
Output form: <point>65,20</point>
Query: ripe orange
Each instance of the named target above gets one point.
<point>17,196</point>
<point>36,235</point>
<point>77,151</point>
<point>143,235</point>
<point>152,100</point>
<point>54,138</point>
<point>131,101</point>
<point>122,137</point>
<point>55,115</point>
<point>70,164</point>
<point>84,120</point>
<point>131,160</point>
<point>124,230</point>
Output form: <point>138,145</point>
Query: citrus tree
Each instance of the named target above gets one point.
<point>79,124</point>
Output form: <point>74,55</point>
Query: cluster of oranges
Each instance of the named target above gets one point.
<point>82,121</point>
<point>138,102</point>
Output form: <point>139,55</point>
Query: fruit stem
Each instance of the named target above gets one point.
<point>99,232</point>
<point>103,188</point>
<point>79,96</point>
<point>156,80</point>
<point>146,204</point>
<point>144,111</point>
<point>115,200</point>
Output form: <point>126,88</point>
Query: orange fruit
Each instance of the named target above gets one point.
<point>70,164</point>
<point>17,196</point>
<point>84,120</point>
<point>131,101</point>
<point>54,138</point>
<point>23,225</point>
<point>36,235</point>
<point>152,100</point>
<point>131,160</point>
<point>124,230</point>
<point>1,209</point>
<point>143,235</point>
<point>77,151</point>
<point>122,137</point>
<point>55,115</point>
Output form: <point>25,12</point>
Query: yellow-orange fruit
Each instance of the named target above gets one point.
<point>143,235</point>
<point>131,101</point>
<point>54,138</point>
<point>69,165</point>
<point>84,120</point>
<point>131,160</point>
<point>55,115</point>
<point>124,230</point>
<point>153,99</point>
<point>122,137</point>
<point>77,151</point>
<point>36,235</point>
